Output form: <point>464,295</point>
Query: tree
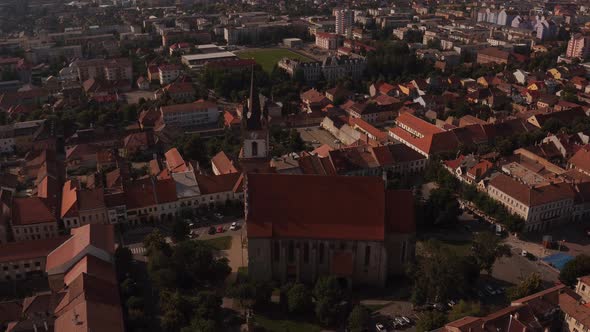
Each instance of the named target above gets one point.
<point>199,324</point>
<point>359,319</point>
<point>431,320</point>
<point>155,241</point>
<point>123,261</point>
<point>134,302</point>
<point>527,286</point>
<point>298,299</point>
<point>328,295</point>
<point>577,267</point>
<point>487,248</point>
<point>463,309</point>
<point>180,230</point>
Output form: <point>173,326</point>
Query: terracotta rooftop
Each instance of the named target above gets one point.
<point>356,208</point>
<point>532,196</point>
<point>223,164</point>
<point>30,249</point>
<point>30,211</point>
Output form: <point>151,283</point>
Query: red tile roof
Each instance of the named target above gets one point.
<point>320,207</point>
<point>581,159</point>
<point>92,266</point>
<point>30,211</point>
<point>532,196</point>
<point>174,161</point>
<point>99,236</point>
<point>417,124</point>
<point>223,164</point>
<point>31,249</point>
<point>211,184</point>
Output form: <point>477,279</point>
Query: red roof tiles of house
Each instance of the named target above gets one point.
<point>532,196</point>
<point>581,159</point>
<point>30,249</point>
<point>276,208</point>
<point>90,304</point>
<point>96,239</point>
<point>211,184</point>
<point>322,150</point>
<point>174,161</point>
<point>223,164</point>
<point>417,124</point>
<point>30,211</point>
<point>92,266</point>
<point>140,194</point>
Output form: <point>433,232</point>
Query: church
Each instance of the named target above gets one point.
<point>301,227</point>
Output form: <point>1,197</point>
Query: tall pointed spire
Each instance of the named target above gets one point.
<point>253,114</point>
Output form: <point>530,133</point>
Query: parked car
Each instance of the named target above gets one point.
<point>380,327</point>
<point>194,234</point>
<point>524,253</point>
<point>234,226</point>
<point>490,290</point>
<point>212,230</point>
<point>218,215</point>
<point>219,229</point>
<point>406,319</point>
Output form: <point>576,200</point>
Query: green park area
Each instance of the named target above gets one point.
<point>268,58</point>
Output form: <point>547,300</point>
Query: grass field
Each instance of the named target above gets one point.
<point>268,58</point>
<point>220,243</point>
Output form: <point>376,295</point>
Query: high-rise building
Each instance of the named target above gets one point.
<point>344,20</point>
<point>578,46</point>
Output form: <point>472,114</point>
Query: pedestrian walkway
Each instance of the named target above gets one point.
<point>138,250</point>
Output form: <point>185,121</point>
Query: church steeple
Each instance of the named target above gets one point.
<point>253,114</point>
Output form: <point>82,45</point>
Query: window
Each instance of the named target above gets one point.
<point>277,251</point>
<point>367,255</point>
<point>583,288</point>
<point>27,265</point>
<point>306,253</point>
<point>403,251</point>
<point>37,263</point>
<point>254,149</point>
<point>321,258</point>
<point>291,252</point>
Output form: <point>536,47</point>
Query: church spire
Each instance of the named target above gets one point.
<point>253,112</point>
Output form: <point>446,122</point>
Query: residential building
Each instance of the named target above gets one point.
<point>327,41</point>
<point>541,206</point>
<point>168,73</point>
<point>578,46</point>
<point>119,69</point>
<point>26,259</point>
<point>198,113</point>
<point>492,55</point>
<point>33,219</point>
<point>344,20</point>
<point>324,237</point>
<point>332,68</point>
<point>82,206</point>
<point>197,61</point>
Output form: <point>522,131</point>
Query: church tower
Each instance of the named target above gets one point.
<point>255,154</point>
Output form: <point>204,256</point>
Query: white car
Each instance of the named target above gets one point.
<point>524,253</point>
<point>380,327</point>
<point>234,226</point>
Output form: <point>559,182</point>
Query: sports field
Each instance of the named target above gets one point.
<point>268,58</point>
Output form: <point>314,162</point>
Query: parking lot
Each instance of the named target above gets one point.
<point>316,136</point>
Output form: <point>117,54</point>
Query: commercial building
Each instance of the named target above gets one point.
<point>200,112</point>
<point>196,61</point>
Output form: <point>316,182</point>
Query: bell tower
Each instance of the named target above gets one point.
<point>255,154</point>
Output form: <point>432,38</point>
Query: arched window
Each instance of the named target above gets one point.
<point>254,149</point>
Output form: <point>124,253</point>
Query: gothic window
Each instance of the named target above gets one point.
<point>291,252</point>
<point>254,149</point>
<point>321,259</point>
<point>367,255</point>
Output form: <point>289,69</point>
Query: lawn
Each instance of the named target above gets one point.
<point>220,243</point>
<point>277,325</point>
<point>268,58</point>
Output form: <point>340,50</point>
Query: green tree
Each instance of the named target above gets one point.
<point>487,248</point>
<point>527,286</point>
<point>134,302</point>
<point>463,309</point>
<point>123,261</point>
<point>359,319</point>
<point>431,320</point>
<point>180,230</point>
<point>328,294</point>
<point>577,267</point>
<point>299,299</point>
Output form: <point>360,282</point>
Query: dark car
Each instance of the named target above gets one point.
<point>212,230</point>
